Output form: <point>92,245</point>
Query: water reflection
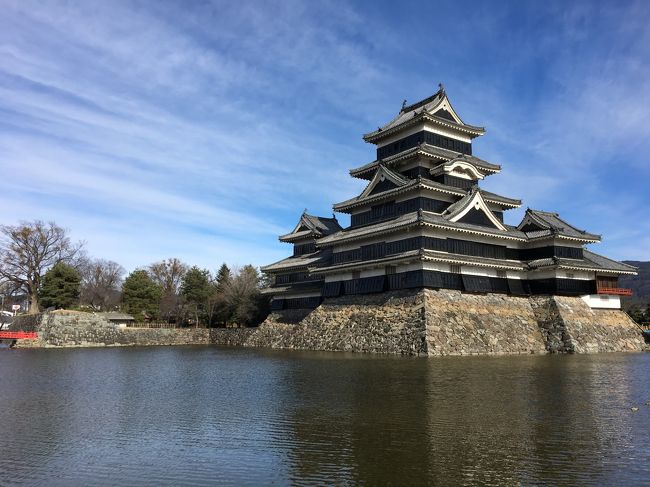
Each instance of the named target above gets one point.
<point>200,416</point>
<point>463,421</point>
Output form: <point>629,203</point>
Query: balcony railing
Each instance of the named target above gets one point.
<point>618,291</point>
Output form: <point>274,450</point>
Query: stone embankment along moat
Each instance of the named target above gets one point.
<point>424,322</point>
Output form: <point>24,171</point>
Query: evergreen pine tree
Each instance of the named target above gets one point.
<point>60,288</point>
<point>141,295</point>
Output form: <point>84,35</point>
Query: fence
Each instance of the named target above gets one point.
<point>153,325</point>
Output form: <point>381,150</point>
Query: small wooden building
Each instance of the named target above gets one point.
<point>121,320</point>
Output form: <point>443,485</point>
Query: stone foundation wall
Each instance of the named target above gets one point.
<point>468,324</point>
<point>587,330</point>
<point>448,322</point>
<point>417,322</point>
<point>384,323</point>
<point>550,324</point>
<point>75,329</point>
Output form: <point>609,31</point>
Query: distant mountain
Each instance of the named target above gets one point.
<point>640,285</point>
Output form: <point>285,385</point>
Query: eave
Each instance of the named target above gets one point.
<point>422,255</point>
<point>554,235</point>
<point>473,231</point>
<point>411,220</point>
<point>596,269</point>
<point>414,184</point>
<point>422,183</point>
<point>291,263</point>
<point>425,150</point>
<point>293,237</point>
<point>380,134</point>
<point>555,263</point>
<point>408,256</point>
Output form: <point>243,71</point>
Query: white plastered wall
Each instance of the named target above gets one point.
<point>602,301</point>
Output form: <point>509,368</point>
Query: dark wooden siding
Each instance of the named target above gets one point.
<point>550,251</point>
<point>302,303</point>
<point>423,136</point>
<point>414,172</point>
<point>300,249</point>
<point>454,181</point>
<point>390,209</point>
<point>346,256</point>
<point>464,282</point>
<point>277,304</point>
<point>454,246</point>
<point>295,277</point>
<point>332,289</point>
<point>567,287</point>
<point>518,287</point>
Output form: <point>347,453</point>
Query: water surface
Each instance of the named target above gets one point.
<point>209,415</point>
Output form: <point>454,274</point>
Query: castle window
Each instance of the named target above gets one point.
<point>454,269</point>
<point>391,269</point>
<point>356,274</point>
<point>501,274</point>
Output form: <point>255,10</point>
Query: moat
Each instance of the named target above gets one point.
<point>212,415</point>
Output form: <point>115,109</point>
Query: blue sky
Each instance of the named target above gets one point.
<point>201,130</point>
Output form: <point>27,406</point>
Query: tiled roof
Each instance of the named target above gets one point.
<point>358,200</point>
<point>473,260</point>
<point>423,218</point>
<point>303,287</point>
<point>293,262</point>
<point>116,316</point>
<point>363,263</point>
<point>438,220</point>
<point>423,254</point>
<point>423,183</point>
<point>590,261</point>
<point>495,198</point>
<point>427,150</point>
<point>475,161</point>
<point>423,109</point>
<point>316,226</point>
<point>553,223</point>
<point>382,173</point>
<point>324,226</point>
<point>369,230</point>
<point>296,235</point>
<point>461,204</point>
<point>606,263</point>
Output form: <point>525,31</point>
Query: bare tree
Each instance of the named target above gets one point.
<point>169,275</point>
<point>242,293</point>
<point>28,250</point>
<point>101,281</point>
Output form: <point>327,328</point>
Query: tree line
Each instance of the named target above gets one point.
<point>639,314</point>
<point>40,261</point>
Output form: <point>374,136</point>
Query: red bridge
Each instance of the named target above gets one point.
<point>18,335</point>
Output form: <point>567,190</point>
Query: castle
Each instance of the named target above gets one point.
<point>423,221</point>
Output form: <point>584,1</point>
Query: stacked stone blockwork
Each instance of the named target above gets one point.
<point>449,322</point>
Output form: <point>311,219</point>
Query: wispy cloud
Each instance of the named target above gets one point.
<point>202,130</point>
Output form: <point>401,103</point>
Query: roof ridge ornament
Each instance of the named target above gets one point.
<point>403,105</point>
<point>441,89</point>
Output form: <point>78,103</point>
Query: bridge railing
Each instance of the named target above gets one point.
<point>18,335</point>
